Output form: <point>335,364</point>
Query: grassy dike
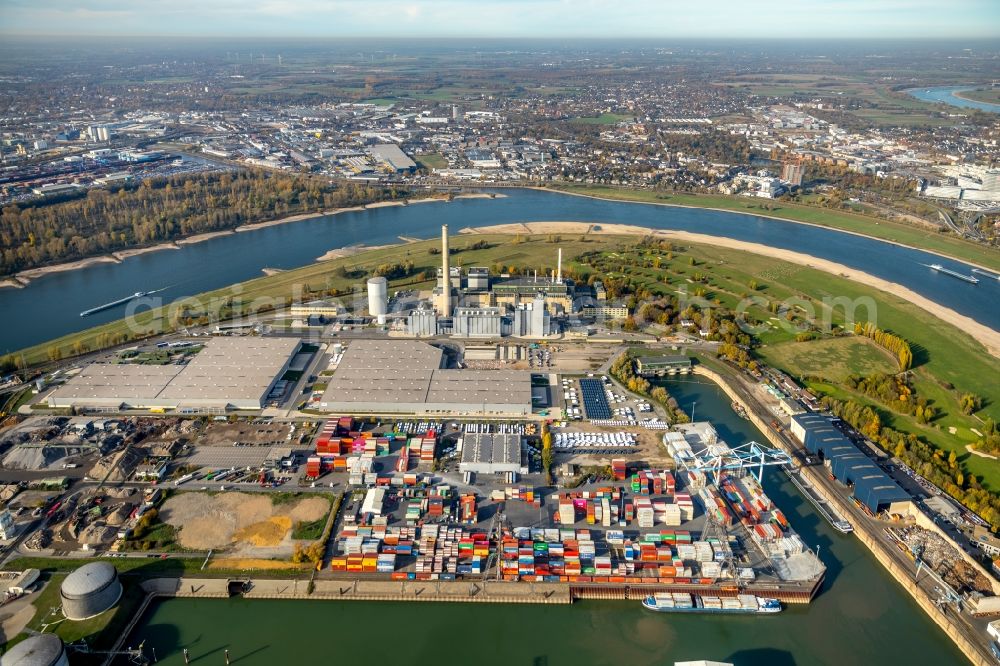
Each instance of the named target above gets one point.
<point>897,232</point>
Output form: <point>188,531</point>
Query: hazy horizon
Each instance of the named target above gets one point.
<point>506,19</point>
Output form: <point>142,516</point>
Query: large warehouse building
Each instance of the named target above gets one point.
<point>228,373</point>
<point>406,377</point>
<point>872,487</point>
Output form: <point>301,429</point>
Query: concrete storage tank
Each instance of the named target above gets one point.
<point>38,650</point>
<point>378,298</point>
<point>90,590</point>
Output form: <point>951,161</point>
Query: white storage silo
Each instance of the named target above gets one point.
<point>378,298</point>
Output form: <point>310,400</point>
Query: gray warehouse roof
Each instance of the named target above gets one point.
<point>391,154</point>
<point>495,449</point>
<point>238,371</point>
<point>406,375</point>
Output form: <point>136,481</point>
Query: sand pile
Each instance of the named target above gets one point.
<point>218,521</point>
<point>268,532</point>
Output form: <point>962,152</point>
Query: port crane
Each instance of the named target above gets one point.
<point>750,457</point>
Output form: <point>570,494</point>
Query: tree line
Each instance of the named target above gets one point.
<point>157,210</point>
<point>893,344</point>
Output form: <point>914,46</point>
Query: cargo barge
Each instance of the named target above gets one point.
<point>955,274</point>
<point>825,510</point>
<point>680,602</point>
<point>986,273</point>
<point>112,304</point>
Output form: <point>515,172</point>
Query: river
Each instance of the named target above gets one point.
<point>947,95</point>
<point>49,306</point>
<point>860,617</point>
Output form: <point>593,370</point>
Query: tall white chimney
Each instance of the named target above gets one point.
<point>559,267</point>
<point>445,305</point>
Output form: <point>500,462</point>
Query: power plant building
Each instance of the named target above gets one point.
<point>407,377</point>
<point>477,323</point>
<point>422,323</point>
<point>531,320</point>
<point>90,590</point>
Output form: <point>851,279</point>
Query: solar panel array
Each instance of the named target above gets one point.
<point>595,400</point>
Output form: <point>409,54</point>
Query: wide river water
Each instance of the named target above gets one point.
<point>50,306</point>
<point>948,95</point>
<point>860,617</point>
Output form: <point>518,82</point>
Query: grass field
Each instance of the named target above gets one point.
<point>603,119</point>
<point>876,228</point>
<point>432,161</point>
<point>833,358</point>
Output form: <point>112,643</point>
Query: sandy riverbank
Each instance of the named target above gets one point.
<point>121,255</point>
<point>968,262</point>
<point>984,334</point>
<point>384,204</point>
<point>341,252</point>
<point>201,238</point>
<point>32,273</point>
<point>481,195</point>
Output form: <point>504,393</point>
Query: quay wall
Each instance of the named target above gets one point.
<point>971,650</point>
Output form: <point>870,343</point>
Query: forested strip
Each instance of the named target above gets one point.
<point>159,210</point>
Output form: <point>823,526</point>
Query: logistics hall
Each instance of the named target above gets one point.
<point>228,373</point>
<point>406,377</point>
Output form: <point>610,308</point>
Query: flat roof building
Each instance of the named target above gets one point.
<point>657,366</point>
<point>391,155</point>
<point>486,453</point>
<point>228,373</point>
<point>405,376</point>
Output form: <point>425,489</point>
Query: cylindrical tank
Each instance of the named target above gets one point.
<point>37,650</point>
<point>378,298</point>
<point>90,590</point>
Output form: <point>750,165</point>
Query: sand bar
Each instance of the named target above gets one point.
<point>989,337</point>
<point>384,204</point>
<point>134,252</point>
<point>341,252</point>
<point>200,238</point>
<point>32,273</point>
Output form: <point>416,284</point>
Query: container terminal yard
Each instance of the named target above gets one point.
<point>433,484</point>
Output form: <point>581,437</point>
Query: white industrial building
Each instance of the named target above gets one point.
<point>228,373</point>
<point>476,322</point>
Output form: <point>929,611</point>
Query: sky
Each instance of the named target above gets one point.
<point>880,19</point>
